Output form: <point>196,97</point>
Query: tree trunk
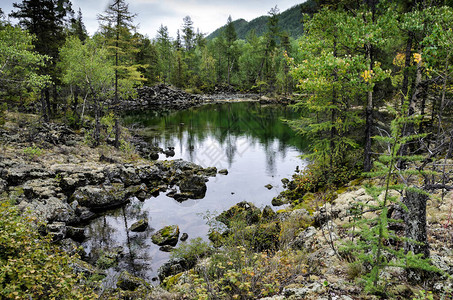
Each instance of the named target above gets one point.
<point>415,222</point>
<point>368,117</point>
<point>97,128</point>
<point>117,133</point>
<point>45,116</point>
<point>47,99</point>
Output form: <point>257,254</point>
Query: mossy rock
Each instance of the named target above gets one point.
<point>169,235</point>
<point>128,282</point>
<point>169,282</point>
<point>139,226</point>
<point>242,211</point>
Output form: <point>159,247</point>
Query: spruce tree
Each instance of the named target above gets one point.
<point>230,38</point>
<point>116,26</point>
<point>46,19</point>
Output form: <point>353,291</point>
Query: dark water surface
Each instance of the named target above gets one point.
<point>247,138</point>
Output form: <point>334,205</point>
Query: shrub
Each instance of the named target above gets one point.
<point>192,251</point>
<point>33,152</point>
<point>30,266</point>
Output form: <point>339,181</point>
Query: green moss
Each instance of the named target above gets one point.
<point>169,282</point>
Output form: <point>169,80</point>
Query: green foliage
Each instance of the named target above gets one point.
<point>235,273</point>
<point>374,244</point>
<point>290,21</point>
<point>192,251</point>
<point>33,152</point>
<point>30,265</point>
<point>19,63</point>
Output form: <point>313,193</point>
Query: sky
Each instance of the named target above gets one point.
<point>207,16</point>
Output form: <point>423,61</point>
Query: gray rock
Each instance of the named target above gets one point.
<point>71,247</point>
<point>172,267</point>
<point>80,266</point>
<point>305,239</point>
<point>3,185</point>
<point>52,209</point>
<point>57,230</point>
<point>223,172</point>
<point>184,237</point>
<point>195,186</point>
<point>166,248</point>
<point>101,197</point>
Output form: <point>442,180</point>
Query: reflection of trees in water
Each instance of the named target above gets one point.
<point>106,233</point>
<point>226,123</point>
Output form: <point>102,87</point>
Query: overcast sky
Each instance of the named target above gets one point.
<point>206,15</point>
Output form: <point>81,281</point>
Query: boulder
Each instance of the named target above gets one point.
<point>71,247</point>
<point>194,186</point>
<point>139,226</point>
<point>81,267</point>
<point>223,172</point>
<point>184,237</point>
<point>128,282</point>
<point>51,209</point>
<point>102,197</point>
<point>168,235</point>
<point>57,230</point>
<point>172,267</point>
<point>243,211</point>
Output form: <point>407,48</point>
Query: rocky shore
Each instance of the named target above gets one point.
<point>163,98</point>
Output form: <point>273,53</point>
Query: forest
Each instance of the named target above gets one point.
<point>372,84</point>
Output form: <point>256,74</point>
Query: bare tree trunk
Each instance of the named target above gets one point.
<point>97,128</point>
<point>415,222</point>
<point>117,133</point>
<point>45,116</point>
<point>368,117</point>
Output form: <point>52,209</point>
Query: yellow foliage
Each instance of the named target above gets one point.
<point>399,59</point>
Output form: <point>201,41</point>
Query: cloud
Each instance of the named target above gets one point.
<point>206,15</point>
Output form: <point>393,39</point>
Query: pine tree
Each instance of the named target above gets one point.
<point>46,19</point>
<point>164,47</point>
<point>116,25</point>
<point>230,38</point>
<point>188,33</point>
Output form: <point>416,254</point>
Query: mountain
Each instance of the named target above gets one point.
<point>290,21</point>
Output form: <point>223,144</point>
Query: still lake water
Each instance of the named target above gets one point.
<point>246,138</point>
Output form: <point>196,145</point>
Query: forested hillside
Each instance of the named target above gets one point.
<point>290,21</point>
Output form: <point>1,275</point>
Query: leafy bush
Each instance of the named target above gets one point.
<point>33,152</point>
<point>192,251</point>
<point>30,266</point>
<point>238,274</point>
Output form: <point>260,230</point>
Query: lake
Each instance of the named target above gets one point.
<point>248,139</point>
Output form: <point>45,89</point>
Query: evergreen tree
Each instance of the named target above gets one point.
<point>188,33</point>
<point>77,27</point>
<point>230,38</point>
<point>46,20</point>
<point>164,48</point>
<point>116,25</point>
